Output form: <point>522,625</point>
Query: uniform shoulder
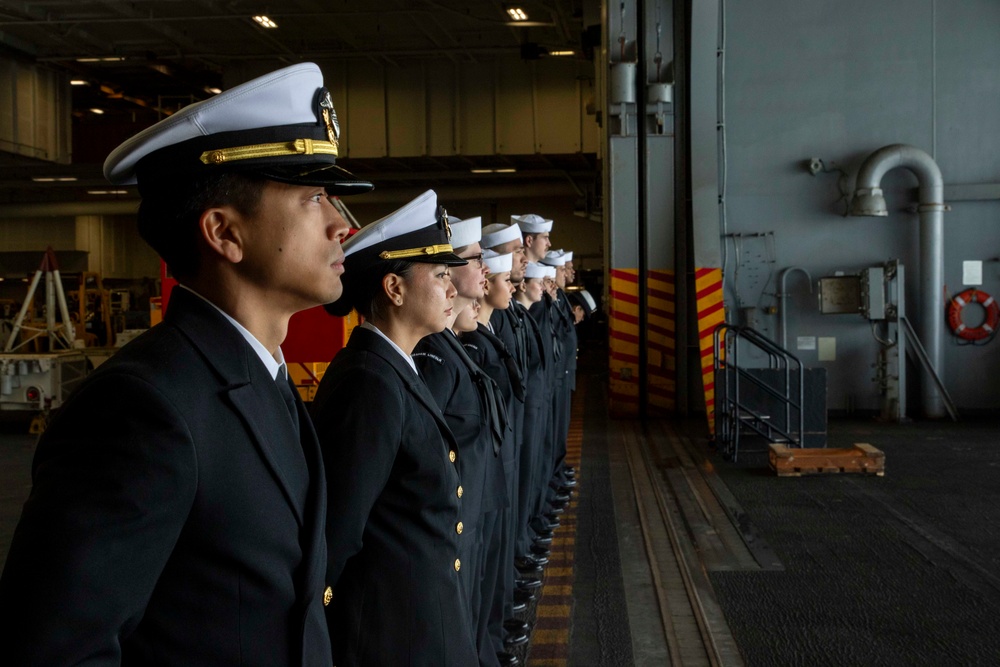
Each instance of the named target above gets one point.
<point>473,338</point>
<point>431,348</point>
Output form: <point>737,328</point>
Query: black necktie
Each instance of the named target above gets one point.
<point>489,395</point>
<point>529,321</point>
<point>516,379</point>
<point>520,337</point>
<point>287,393</point>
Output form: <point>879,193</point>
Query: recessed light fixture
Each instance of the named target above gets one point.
<point>77,82</point>
<point>517,14</point>
<point>107,192</point>
<point>212,90</point>
<point>562,53</point>
<point>53,179</point>
<point>97,111</point>
<point>505,170</point>
<point>265,22</point>
<point>102,59</point>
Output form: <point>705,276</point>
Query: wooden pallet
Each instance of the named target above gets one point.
<point>795,462</point>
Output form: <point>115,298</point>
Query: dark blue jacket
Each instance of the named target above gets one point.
<point>175,518</point>
<point>392,467</point>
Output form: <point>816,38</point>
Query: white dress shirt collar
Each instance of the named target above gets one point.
<point>274,364</point>
<point>409,359</point>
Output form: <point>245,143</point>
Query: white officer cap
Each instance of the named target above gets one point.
<point>465,232</point>
<point>554,258</point>
<point>567,255</point>
<point>281,126</point>
<point>531,223</point>
<point>496,262</point>
<point>417,232</point>
<point>498,233</point>
<point>533,270</point>
<point>550,272</point>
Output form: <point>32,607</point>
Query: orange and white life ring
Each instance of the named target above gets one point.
<point>990,323</point>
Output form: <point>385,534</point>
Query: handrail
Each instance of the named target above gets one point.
<point>732,415</point>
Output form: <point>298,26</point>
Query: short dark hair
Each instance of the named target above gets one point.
<point>363,289</point>
<point>169,213</point>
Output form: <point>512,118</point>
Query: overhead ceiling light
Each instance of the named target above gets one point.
<point>505,170</point>
<point>212,90</point>
<point>77,82</point>
<point>562,53</point>
<point>517,14</point>
<point>265,22</point>
<point>53,179</point>
<point>103,59</point>
<point>107,192</point>
<point>97,111</point>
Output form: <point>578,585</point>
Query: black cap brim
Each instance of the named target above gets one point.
<point>446,258</point>
<point>335,179</point>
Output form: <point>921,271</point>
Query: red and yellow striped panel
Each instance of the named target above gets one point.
<point>661,340</point>
<point>624,342</point>
<point>711,313</point>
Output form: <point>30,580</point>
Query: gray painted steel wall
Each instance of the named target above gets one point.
<point>837,81</point>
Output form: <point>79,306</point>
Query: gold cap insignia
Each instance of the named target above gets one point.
<point>444,218</point>
<point>329,117</point>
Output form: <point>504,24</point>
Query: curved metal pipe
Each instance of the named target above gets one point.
<point>869,200</point>
<point>783,295</point>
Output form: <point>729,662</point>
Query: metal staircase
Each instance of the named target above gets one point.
<point>734,415</point>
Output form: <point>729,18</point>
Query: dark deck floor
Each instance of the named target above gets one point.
<point>896,570</point>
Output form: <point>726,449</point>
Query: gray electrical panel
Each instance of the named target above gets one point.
<point>873,293</point>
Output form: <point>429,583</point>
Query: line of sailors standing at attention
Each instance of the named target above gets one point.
<point>185,509</point>
<point>443,424</point>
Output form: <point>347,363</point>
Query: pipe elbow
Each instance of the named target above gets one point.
<point>868,197</point>
<point>889,157</point>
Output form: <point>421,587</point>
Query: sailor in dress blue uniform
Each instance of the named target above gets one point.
<point>474,410</point>
<point>395,522</point>
<point>178,505</point>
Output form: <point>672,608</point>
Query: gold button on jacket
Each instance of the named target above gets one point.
<point>459,528</point>
<point>452,456</point>
<point>458,565</point>
<point>460,492</point>
<point>327,596</point>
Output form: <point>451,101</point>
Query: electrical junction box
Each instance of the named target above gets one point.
<point>839,294</point>
<point>873,293</point>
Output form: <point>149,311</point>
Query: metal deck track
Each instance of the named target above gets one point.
<point>689,526</point>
